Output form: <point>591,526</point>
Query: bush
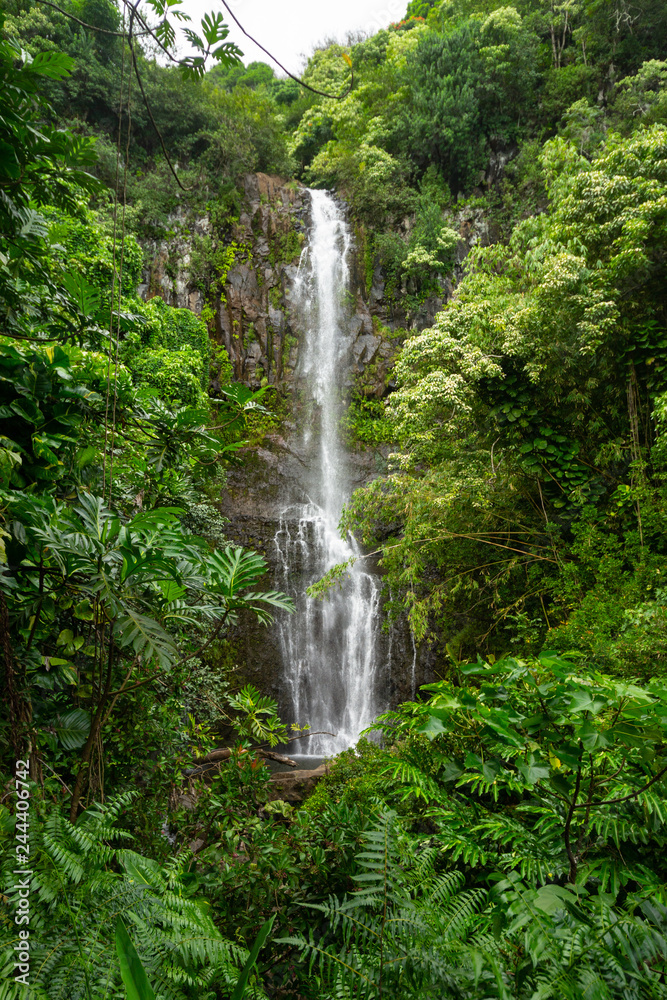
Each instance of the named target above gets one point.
<point>175,330</point>
<point>176,375</point>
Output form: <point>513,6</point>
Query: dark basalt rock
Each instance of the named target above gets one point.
<point>256,319</point>
<point>295,786</point>
<point>258,490</point>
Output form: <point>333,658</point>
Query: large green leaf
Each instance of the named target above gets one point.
<point>55,65</point>
<point>9,164</point>
<point>146,637</point>
<point>33,225</point>
<point>84,296</point>
<point>72,728</point>
<point>97,519</point>
<point>587,701</point>
<point>147,564</point>
<point>434,726</point>
<point>270,598</point>
<point>240,989</point>
<point>150,520</point>
<point>235,569</point>
<point>132,971</point>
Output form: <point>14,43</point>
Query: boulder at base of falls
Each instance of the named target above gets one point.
<point>295,786</point>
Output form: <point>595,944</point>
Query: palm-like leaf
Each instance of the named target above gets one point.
<point>71,729</point>
<point>235,569</point>
<point>145,636</point>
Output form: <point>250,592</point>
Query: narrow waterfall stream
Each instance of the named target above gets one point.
<point>329,647</point>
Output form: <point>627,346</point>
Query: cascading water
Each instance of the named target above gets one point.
<point>330,647</point>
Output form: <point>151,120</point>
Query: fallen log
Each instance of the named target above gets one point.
<point>216,757</point>
<point>270,755</point>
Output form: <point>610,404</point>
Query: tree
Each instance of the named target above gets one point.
<point>39,165</point>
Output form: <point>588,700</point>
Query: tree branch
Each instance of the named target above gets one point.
<point>84,24</point>
<point>633,795</point>
<point>572,874</point>
<point>208,642</point>
<point>313,90</point>
<point>150,112</point>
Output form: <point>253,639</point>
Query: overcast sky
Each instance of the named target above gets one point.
<point>290,29</point>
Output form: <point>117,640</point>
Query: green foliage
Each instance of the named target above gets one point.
<point>210,263</point>
<point>260,716</point>
<point>506,836</point>
<point>175,375</point>
<point>233,571</point>
<point>56,400</point>
<point>468,84</point>
<point>94,255</point>
<point>414,268</point>
<point>225,134</point>
<point>401,932</point>
<point>245,135</point>
<point>178,351</point>
<point>567,748</point>
<point>352,777</point>
<point>265,930</point>
<point>132,971</point>
<point>445,100</point>
<point>527,407</point>
<point>252,842</point>
<point>642,97</point>
<point>143,581</point>
<point>334,576</point>
<point>81,880</point>
<point>365,421</point>
<point>419,8</point>
<point>286,248</point>
<point>43,409</point>
<point>38,166</point>
<point>412,930</point>
<point>92,594</point>
<point>542,792</point>
<point>253,76</point>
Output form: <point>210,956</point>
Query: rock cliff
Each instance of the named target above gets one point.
<point>240,277</point>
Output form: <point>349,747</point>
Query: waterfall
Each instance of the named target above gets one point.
<point>330,647</point>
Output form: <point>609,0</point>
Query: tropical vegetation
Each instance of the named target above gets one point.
<point>501,835</point>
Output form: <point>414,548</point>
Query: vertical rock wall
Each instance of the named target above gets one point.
<point>251,311</point>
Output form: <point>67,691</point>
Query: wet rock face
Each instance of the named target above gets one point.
<point>258,490</point>
<point>255,316</point>
<point>250,314</point>
<point>255,320</point>
<point>167,272</point>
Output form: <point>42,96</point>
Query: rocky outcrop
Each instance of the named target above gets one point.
<point>242,279</point>
<point>239,275</point>
<point>295,786</point>
<point>255,318</point>
<point>168,272</point>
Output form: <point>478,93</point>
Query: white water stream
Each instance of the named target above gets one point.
<point>330,647</point>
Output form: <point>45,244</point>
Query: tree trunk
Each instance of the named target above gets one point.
<point>86,754</point>
<point>19,709</point>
